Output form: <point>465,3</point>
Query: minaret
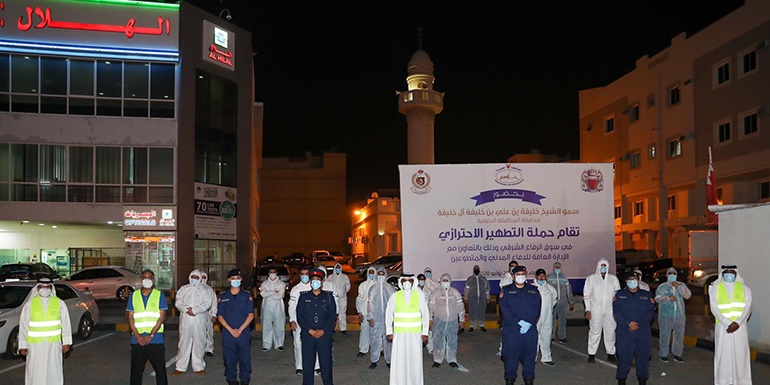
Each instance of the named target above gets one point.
<point>420,103</point>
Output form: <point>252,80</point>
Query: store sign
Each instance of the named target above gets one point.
<point>215,212</point>
<point>97,24</point>
<point>218,45</point>
<point>149,218</point>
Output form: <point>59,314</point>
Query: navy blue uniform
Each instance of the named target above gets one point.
<point>516,305</point>
<point>633,307</point>
<point>237,351</point>
<point>316,312</point>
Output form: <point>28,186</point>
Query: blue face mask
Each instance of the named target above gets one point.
<point>304,278</point>
<point>633,284</point>
<point>315,285</point>
<point>371,276</point>
<point>541,282</point>
<point>557,271</point>
<point>671,278</point>
<point>728,277</point>
<point>603,269</point>
<point>235,283</point>
<point>428,274</point>
<point>337,271</point>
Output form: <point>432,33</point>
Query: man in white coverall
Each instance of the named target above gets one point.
<point>212,315</point>
<point>598,293</point>
<point>431,283</point>
<point>44,345</point>
<point>379,293</point>
<point>273,312</point>
<point>303,285</point>
<point>193,302</point>
<point>545,322</point>
<point>407,320</point>
<point>730,302</point>
<point>447,311</point>
<point>362,303</point>
<point>342,287</point>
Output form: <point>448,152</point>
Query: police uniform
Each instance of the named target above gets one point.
<point>633,307</point>
<point>237,351</point>
<point>517,305</point>
<point>316,312</point>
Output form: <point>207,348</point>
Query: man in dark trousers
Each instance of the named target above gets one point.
<point>633,309</point>
<point>520,307</point>
<point>235,313</point>
<point>316,315</point>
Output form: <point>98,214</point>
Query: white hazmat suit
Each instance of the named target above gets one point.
<point>212,313</point>
<point>273,313</point>
<point>447,311</point>
<point>196,299</point>
<point>598,293</point>
<point>732,358</point>
<point>548,296</point>
<point>293,298</point>
<point>341,287</point>
<point>44,359</point>
<point>379,293</point>
<point>362,302</point>
<point>406,364</point>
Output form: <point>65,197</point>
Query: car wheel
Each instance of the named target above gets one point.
<point>85,327</point>
<point>12,348</point>
<point>124,293</point>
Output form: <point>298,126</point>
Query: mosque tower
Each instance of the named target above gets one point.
<point>420,103</point>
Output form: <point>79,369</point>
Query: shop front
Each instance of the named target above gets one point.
<point>150,241</point>
<point>215,232</point>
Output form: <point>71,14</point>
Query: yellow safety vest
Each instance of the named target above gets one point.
<point>407,318</point>
<point>145,318</point>
<point>730,309</point>
<point>44,325</point>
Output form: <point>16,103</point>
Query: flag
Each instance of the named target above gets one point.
<point>711,193</point>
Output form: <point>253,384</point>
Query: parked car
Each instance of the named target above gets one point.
<point>297,259</point>
<point>327,262</point>
<point>626,259</point>
<point>340,257</point>
<point>83,312</point>
<point>260,274</point>
<point>394,273</point>
<point>659,276</point>
<point>26,271</point>
<point>105,282</point>
<point>316,254</point>
<point>384,261</point>
<point>648,268</point>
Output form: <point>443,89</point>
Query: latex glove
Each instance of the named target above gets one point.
<point>524,329</point>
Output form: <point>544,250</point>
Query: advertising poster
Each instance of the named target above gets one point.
<point>215,212</point>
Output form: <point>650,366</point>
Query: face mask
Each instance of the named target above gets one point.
<point>381,278</point>
<point>557,271</point>
<point>476,271</point>
<point>428,274</point>
<point>671,278</point>
<point>273,276</point>
<point>194,281</point>
<point>520,279</point>
<point>204,279</point>
<point>235,283</point>
<point>421,283</point>
<point>603,269</point>
<point>445,285</point>
<point>315,285</point>
<point>541,282</point>
<point>407,286</point>
<point>729,277</point>
<point>633,284</point>
<point>45,293</point>
<point>304,278</point>
<point>146,283</point>
<point>337,271</point>
<point>371,276</point>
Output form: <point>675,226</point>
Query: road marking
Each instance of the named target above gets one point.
<point>168,363</point>
<point>605,363</point>
<point>24,363</point>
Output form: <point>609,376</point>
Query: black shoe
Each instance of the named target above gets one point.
<point>591,358</point>
<point>549,363</point>
<point>483,329</point>
<point>264,349</point>
<point>642,382</point>
<point>611,358</point>
<point>461,331</point>
<point>280,348</point>
<point>453,364</point>
<point>360,354</point>
<point>621,381</point>
<point>562,341</point>
<point>232,382</point>
<point>470,330</point>
<point>436,365</point>
<point>664,359</point>
<point>318,372</point>
<point>209,354</point>
<point>388,364</point>
<point>529,381</point>
<point>245,382</point>
<point>344,332</point>
<point>678,359</point>
<point>298,371</point>
<point>509,382</point>
<point>372,365</point>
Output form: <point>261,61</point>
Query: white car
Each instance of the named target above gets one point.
<point>106,281</point>
<point>83,311</point>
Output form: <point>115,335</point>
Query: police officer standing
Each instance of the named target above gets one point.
<point>633,309</point>
<point>520,306</point>
<point>235,313</point>
<point>316,315</point>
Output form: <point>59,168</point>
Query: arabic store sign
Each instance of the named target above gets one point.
<point>218,45</point>
<point>91,23</point>
<point>149,218</point>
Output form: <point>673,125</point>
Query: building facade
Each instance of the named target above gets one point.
<point>376,227</point>
<point>127,137</point>
<point>657,122</point>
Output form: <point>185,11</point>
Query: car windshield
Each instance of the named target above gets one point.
<point>15,268</point>
<point>279,269</point>
<point>326,259</point>
<point>13,296</point>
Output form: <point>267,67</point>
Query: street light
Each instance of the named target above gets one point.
<point>357,212</point>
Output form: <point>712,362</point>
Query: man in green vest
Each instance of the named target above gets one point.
<point>45,334</point>
<point>407,320</point>
<point>146,311</point>
<point>730,302</point>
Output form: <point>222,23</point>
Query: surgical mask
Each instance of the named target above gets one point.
<point>315,285</point>
<point>194,281</point>
<point>273,276</point>
<point>407,286</point>
<point>541,282</point>
<point>371,276</point>
<point>603,269</point>
<point>476,271</point>
<point>235,283</point>
<point>381,278</point>
<point>304,278</point>
<point>146,283</point>
<point>445,285</point>
<point>45,292</point>
<point>671,278</point>
<point>337,271</point>
<point>428,274</point>
<point>632,284</point>
<point>520,279</point>
<point>421,283</point>
<point>557,271</point>
<point>729,277</point>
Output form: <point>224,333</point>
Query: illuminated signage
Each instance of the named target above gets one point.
<point>220,37</point>
<point>218,45</point>
<point>149,218</point>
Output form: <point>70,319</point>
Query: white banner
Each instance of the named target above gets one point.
<point>215,212</point>
<point>457,216</point>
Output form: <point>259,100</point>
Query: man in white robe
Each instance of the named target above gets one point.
<point>730,301</point>
<point>44,356</point>
<point>402,313</point>
<point>193,302</point>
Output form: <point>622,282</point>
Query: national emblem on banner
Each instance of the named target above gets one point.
<point>592,180</point>
<point>420,182</point>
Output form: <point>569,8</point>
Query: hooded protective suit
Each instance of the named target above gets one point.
<point>341,289</point>
<point>447,311</point>
<point>293,298</point>
<point>671,315</point>
<point>44,358</point>
<point>545,322</point>
<point>732,359</point>
<point>195,299</point>
<point>477,295</point>
<point>362,302</point>
<point>642,285</point>
<point>597,294</point>
<point>212,313</point>
<point>273,312</point>
<point>560,282</point>
<point>406,367</point>
<point>379,293</point>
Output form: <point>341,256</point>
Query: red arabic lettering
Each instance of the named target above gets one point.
<point>130,29</point>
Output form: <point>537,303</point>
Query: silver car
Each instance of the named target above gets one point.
<point>83,311</point>
<point>106,281</point>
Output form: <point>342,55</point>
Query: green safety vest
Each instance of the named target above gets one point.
<point>44,325</point>
<point>407,318</point>
<point>730,309</point>
<point>145,318</point>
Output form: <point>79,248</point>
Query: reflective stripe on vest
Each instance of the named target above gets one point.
<point>730,309</point>
<point>44,325</point>
<point>407,318</point>
<point>145,318</point>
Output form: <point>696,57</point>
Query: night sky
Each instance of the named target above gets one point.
<point>327,72</point>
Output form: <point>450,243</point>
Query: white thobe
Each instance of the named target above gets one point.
<point>44,359</point>
<point>406,361</point>
<point>732,359</point>
<point>548,297</point>
<point>192,328</point>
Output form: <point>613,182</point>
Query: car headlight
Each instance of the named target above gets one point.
<point>698,273</point>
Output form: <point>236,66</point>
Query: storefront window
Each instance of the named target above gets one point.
<point>216,258</point>
<point>53,76</point>
<point>155,251</point>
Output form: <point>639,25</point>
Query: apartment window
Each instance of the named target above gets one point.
<point>764,190</point>
<point>609,125</point>
<point>722,74</point>
<point>723,132</point>
<point>638,208</point>
<point>635,160</point>
<point>652,151</point>
<point>673,96</point>
<point>674,148</point>
<point>749,62</point>
<point>81,164</point>
<point>633,113</point>
<point>618,212</point>
<point>671,202</point>
<point>651,101</point>
<point>750,124</point>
